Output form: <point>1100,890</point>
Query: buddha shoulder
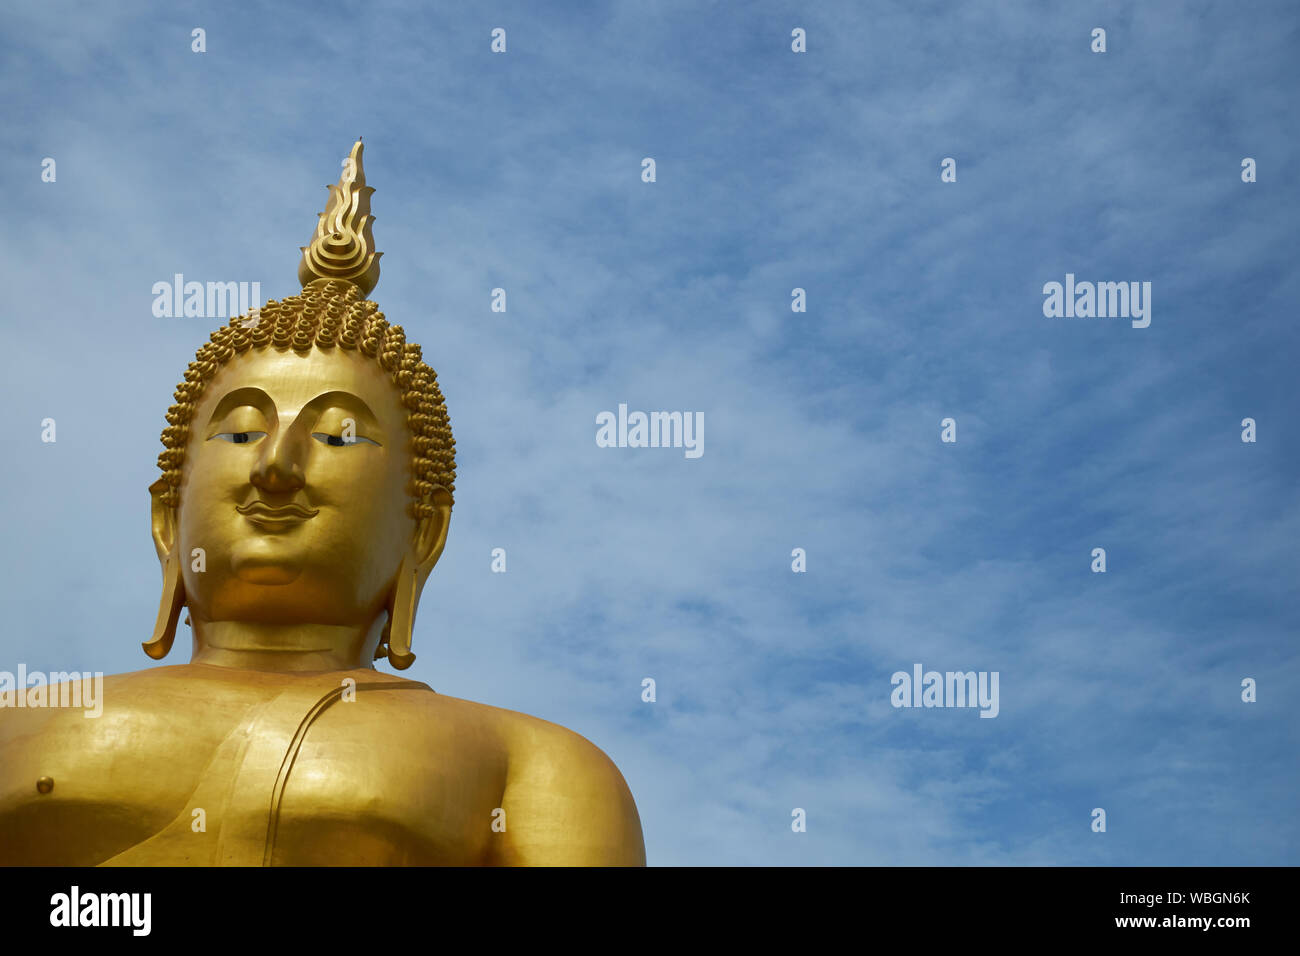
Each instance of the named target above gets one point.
<point>566,802</point>
<point>563,801</point>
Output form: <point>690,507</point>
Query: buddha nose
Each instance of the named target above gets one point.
<point>278,468</point>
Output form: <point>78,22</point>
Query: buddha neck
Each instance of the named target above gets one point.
<point>249,645</point>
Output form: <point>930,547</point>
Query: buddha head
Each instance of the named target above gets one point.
<point>308,468</point>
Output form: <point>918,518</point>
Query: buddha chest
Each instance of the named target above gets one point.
<point>186,768</point>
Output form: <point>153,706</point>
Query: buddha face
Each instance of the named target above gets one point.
<point>296,488</point>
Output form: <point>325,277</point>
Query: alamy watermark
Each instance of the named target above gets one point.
<point>923,688</point>
<point>1102,300</point>
<point>76,908</point>
<point>213,300</point>
<point>653,430</point>
<point>56,689</point>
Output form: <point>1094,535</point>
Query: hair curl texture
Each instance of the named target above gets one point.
<point>327,314</point>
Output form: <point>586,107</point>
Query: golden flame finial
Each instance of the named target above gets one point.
<point>343,247</point>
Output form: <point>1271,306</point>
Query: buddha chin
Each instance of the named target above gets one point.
<point>285,576</point>
<point>256,562</point>
<point>274,559</point>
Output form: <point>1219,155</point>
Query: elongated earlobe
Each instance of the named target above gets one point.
<point>401,618</point>
<point>426,548</point>
<point>169,610</point>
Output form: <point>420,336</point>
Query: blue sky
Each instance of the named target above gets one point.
<point>775,170</point>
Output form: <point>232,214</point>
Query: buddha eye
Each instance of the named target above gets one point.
<point>336,440</point>
<point>239,438</point>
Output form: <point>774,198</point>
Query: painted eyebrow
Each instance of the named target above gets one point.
<point>338,398</point>
<point>248,395</point>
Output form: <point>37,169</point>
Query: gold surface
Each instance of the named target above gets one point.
<point>343,247</point>
<point>310,462</point>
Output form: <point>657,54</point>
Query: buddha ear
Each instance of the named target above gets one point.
<point>162,520</point>
<point>426,547</point>
<point>431,534</point>
<point>164,527</point>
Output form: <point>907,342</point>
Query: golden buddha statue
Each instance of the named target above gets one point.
<point>305,496</point>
